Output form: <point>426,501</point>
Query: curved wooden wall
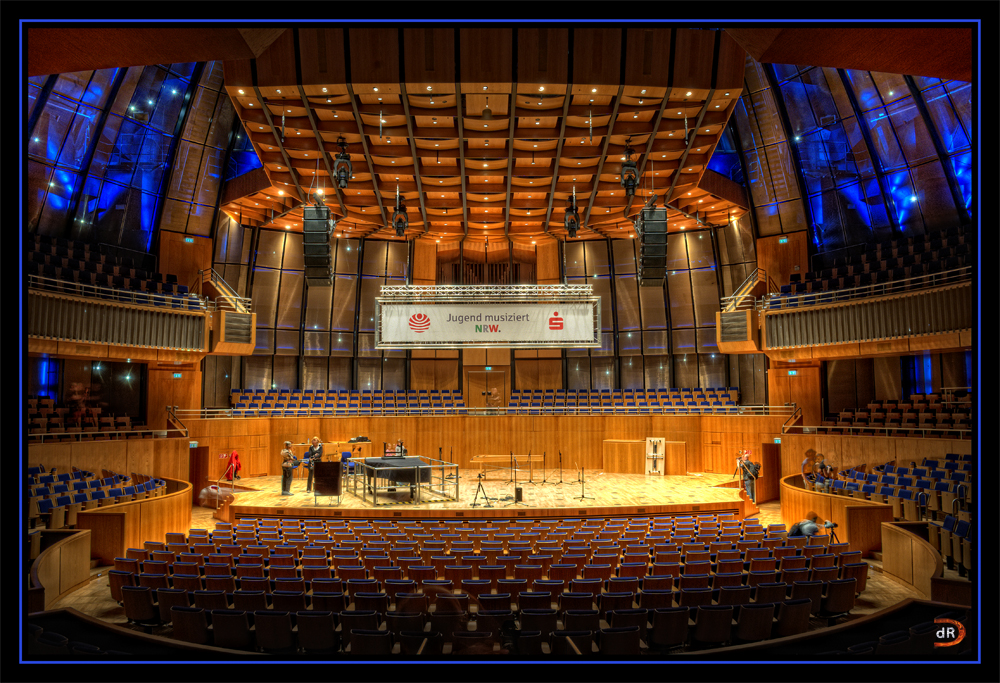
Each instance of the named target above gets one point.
<point>850,451</point>
<point>116,528</point>
<point>59,568</point>
<point>909,557</point>
<point>164,458</point>
<point>859,520</point>
<point>711,441</point>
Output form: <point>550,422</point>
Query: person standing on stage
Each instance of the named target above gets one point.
<point>751,470</point>
<point>287,462</point>
<point>400,448</point>
<point>313,456</point>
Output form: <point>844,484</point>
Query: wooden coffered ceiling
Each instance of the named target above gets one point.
<point>409,102</point>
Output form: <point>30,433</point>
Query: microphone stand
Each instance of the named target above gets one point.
<point>511,480</point>
<point>531,471</point>
<point>583,483</point>
<point>545,473</point>
<point>560,471</point>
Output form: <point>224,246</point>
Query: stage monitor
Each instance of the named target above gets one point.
<point>327,480</point>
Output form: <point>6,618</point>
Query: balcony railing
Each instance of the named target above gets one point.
<point>188,301</point>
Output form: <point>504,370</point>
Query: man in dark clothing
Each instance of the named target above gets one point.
<point>287,467</point>
<point>313,456</point>
<point>751,470</point>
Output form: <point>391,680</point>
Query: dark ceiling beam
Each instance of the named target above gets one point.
<point>368,156</point>
<point>941,52</point>
<point>413,145</point>
<point>326,159</point>
<point>460,103</point>
<point>604,157</point>
<point>559,146</point>
<point>277,141</point>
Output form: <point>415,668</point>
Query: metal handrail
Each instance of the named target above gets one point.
<point>189,301</point>
<point>172,416</point>
<point>744,411</point>
<point>803,429</point>
<point>738,301</point>
<point>232,300</point>
<point>802,299</point>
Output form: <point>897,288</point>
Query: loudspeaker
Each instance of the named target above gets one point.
<point>317,256</point>
<point>518,493</point>
<point>652,230</point>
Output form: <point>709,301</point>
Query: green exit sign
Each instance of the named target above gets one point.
<point>783,240</point>
<point>177,375</point>
<point>189,239</point>
<point>777,440</point>
<point>488,367</point>
<point>792,372</point>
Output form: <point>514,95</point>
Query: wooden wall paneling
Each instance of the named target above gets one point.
<point>374,58</point>
<point>732,61</point>
<point>897,554</point>
<point>421,374</point>
<point>526,374</point>
<point>97,455</point>
<point>769,456</point>
<point>864,526</point>
<point>164,389</point>
<point>693,59</point>
<point>321,53</point>
<point>486,56</point>
<point>474,357</point>
<point>424,262</point>
<point>74,562</point>
<point>591,49</point>
<point>184,259</point>
<point>429,56</point>
<point>549,373</point>
<point>446,374</point>
<point>624,456</point>
<point>647,57</point>
<point>541,58</point>
<point>547,258</point>
<point>675,458</point>
<point>779,259</point>
<point>276,64</point>
<point>49,455</point>
<point>139,456</point>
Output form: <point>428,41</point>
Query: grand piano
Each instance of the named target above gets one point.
<point>397,470</point>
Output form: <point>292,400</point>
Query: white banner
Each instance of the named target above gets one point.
<point>456,325</point>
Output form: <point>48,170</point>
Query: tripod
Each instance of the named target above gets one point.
<point>515,501</point>
<point>583,484</point>
<point>479,490</point>
<point>511,480</point>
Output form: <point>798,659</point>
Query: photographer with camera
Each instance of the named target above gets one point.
<point>750,471</point>
<point>809,526</point>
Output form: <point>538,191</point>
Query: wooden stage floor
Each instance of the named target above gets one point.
<point>624,494</point>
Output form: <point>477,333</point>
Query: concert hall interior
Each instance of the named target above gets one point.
<point>636,340</point>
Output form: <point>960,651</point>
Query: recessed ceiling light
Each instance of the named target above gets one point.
<point>241,92</point>
<point>541,88</point>
<point>336,116</point>
<point>643,92</point>
<point>429,87</point>
<point>251,104</point>
<point>375,89</point>
<point>689,93</point>
<point>324,89</point>
<point>484,87</point>
<point>593,90</point>
<point>727,94</point>
<point>281,192</point>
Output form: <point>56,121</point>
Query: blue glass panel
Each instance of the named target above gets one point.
<point>884,139</point>
<point>746,125</point>
<point>168,104</point>
<point>800,114</point>
<point>151,158</point>
<point>876,209</point>
<point>86,210</point>
<point>854,213</point>
<point>785,71</point>
<point>949,129</point>
<point>826,217</point>
<point>82,131</point>
<point>57,201</point>
<point>630,344</point>
<point>864,89</point>
<point>185,69</point>
<point>911,131</point>
<point>904,202</point>
<point>962,164</point>
<point>100,87</point>
<point>815,162</point>
<point>857,149</point>
<point>52,126</point>
<point>961,97</point>
<point>816,87</point>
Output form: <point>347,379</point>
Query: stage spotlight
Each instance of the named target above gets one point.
<point>399,220</point>
<point>630,175</point>
<point>342,168</point>
<point>572,219</point>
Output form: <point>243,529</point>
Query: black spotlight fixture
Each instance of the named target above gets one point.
<point>630,176</point>
<point>342,168</point>
<point>572,219</point>
<point>399,220</point>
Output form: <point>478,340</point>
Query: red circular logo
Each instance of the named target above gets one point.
<point>419,322</point>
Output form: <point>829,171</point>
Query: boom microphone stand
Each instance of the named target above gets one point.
<point>545,472</point>
<point>511,480</point>
<point>531,471</point>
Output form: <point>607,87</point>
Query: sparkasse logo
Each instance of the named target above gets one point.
<point>555,322</point>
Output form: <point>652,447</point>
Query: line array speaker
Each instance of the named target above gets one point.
<point>652,231</point>
<point>317,255</point>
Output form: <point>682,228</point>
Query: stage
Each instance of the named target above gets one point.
<point>607,494</point>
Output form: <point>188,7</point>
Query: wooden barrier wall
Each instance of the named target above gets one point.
<point>859,520</point>
<point>116,528</point>
<point>710,441</point>
<point>163,458</point>
<point>850,451</point>
<point>62,566</point>
<point>909,557</point>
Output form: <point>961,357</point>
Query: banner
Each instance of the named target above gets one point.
<point>456,325</point>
